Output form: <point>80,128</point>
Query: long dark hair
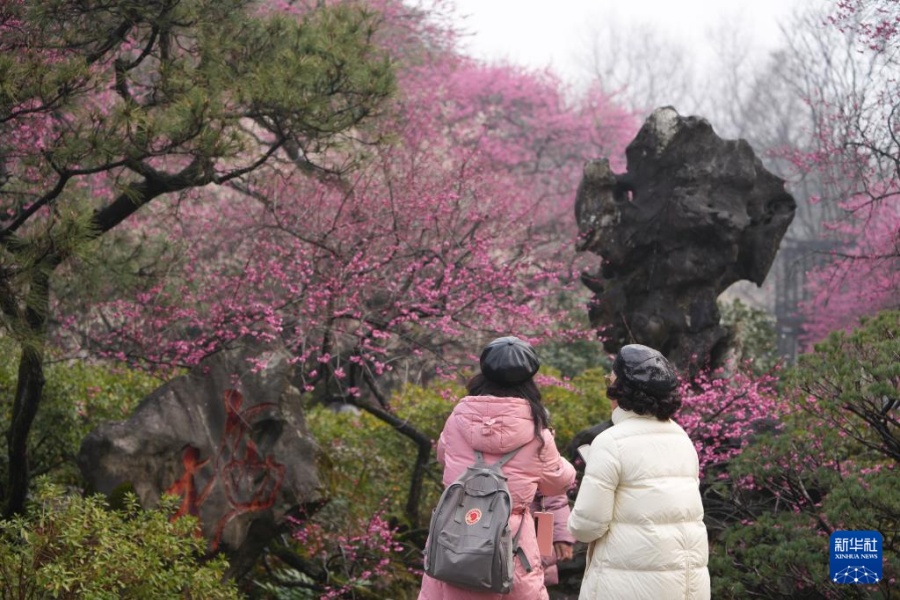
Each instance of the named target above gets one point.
<point>528,390</point>
<point>631,398</point>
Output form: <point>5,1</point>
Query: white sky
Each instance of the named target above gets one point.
<point>539,33</point>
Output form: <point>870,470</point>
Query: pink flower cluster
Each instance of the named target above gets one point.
<point>460,227</point>
<point>364,559</point>
<point>721,412</point>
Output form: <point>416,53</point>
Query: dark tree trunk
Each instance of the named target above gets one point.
<point>30,385</point>
<point>29,389</point>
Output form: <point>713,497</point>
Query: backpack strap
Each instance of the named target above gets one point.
<point>518,551</point>
<point>479,457</point>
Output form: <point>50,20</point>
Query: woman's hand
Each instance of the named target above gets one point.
<point>563,551</point>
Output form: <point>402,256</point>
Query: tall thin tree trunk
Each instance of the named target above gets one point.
<point>28,397</point>
<point>29,390</point>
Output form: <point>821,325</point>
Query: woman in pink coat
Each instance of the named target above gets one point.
<point>502,412</point>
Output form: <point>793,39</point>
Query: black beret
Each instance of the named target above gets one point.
<point>646,369</point>
<point>509,360</point>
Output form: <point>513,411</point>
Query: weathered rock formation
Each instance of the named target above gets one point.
<point>692,214</point>
<point>229,438</point>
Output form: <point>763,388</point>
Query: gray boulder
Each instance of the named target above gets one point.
<point>229,438</point>
<point>693,214</point>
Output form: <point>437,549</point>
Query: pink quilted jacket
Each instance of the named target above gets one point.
<point>495,426</point>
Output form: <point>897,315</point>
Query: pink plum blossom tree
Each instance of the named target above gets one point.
<point>458,230</point>
<point>858,153</point>
<point>365,245</point>
<point>106,108</point>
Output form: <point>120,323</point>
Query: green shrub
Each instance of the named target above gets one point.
<point>73,547</point>
<point>576,404</point>
<point>365,464</point>
<point>573,357</point>
<point>77,397</point>
<point>832,466</point>
<point>753,336</point>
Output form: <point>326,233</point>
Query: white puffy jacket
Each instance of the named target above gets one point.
<point>639,508</point>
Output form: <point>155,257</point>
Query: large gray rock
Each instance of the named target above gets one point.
<point>229,438</point>
<point>693,214</point>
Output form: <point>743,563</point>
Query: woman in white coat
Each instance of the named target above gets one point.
<point>639,506</point>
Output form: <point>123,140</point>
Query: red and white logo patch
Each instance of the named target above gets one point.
<point>473,516</point>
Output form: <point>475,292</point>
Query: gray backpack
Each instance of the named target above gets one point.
<point>470,544</point>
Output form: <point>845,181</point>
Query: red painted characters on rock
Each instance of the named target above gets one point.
<point>250,479</point>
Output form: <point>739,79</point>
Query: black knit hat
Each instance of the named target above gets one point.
<point>646,369</point>
<point>509,361</point>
